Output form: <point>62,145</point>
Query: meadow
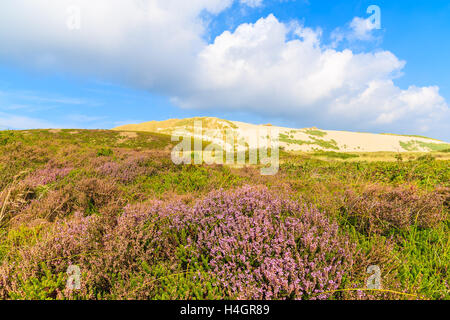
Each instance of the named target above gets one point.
<point>141,227</point>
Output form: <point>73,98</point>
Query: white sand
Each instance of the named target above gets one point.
<point>299,139</point>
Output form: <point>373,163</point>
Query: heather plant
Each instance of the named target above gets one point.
<point>104,152</point>
<point>261,246</point>
<point>48,258</point>
<point>55,204</point>
<point>386,209</point>
<point>146,263</point>
<point>46,175</point>
<point>445,193</point>
<point>243,244</point>
<point>93,194</point>
<point>61,204</point>
<point>127,170</point>
<point>120,258</point>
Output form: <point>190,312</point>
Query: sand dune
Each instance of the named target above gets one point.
<point>292,139</point>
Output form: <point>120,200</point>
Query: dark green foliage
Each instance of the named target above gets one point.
<point>105,152</point>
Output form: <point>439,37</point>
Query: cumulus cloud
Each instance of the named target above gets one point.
<point>268,68</point>
<point>150,44</point>
<point>257,68</point>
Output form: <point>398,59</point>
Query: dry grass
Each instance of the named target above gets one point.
<point>8,195</point>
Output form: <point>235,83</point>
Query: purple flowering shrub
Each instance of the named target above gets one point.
<point>127,170</point>
<point>46,175</point>
<point>262,246</point>
<point>245,244</point>
<point>76,240</point>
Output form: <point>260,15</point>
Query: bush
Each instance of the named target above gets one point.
<point>426,158</point>
<point>104,152</point>
<point>247,244</point>
<point>382,210</point>
<point>46,175</point>
<point>128,170</point>
<point>262,246</point>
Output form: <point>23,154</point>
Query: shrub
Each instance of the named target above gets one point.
<point>92,195</point>
<point>385,209</point>
<point>47,175</point>
<point>56,204</point>
<point>262,246</point>
<point>104,152</point>
<point>243,244</point>
<point>426,158</point>
<point>127,170</point>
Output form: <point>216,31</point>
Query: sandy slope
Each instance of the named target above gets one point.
<point>292,139</point>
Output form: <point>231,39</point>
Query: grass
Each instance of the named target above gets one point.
<point>416,144</point>
<point>313,132</point>
<point>94,176</point>
<point>335,155</point>
<point>327,144</point>
<point>410,135</point>
<point>427,254</point>
<point>167,126</point>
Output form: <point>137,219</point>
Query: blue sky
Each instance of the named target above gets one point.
<point>256,61</point>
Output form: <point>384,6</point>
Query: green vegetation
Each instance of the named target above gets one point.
<point>336,155</point>
<point>290,140</point>
<point>317,133</point>
<point>409,135</point>
<point>327,144</point>
<point>105,152</point>
<point>416,144</point>
<point>168,126</point>
<point>138,225</point>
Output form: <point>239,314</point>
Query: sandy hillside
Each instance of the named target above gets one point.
<point>291,139</point>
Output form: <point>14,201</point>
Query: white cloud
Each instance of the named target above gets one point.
<point>150,44</point>
<point>83,118</point>
<point>359,29</point>
<point>268,68</point>
<point>362,28</point>
<point>257,68</point>
<point>11,121</point>
<point>252,3</point>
